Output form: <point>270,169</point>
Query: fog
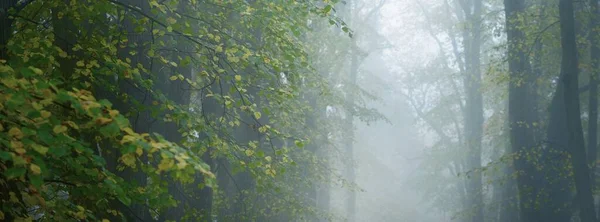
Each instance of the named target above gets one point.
<point>390,153</point>
<point>305,110</point>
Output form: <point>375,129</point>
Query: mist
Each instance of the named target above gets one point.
<point>309,110</point>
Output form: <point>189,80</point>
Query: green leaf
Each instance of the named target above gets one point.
<point>327,9</point>
<point>15,172</point>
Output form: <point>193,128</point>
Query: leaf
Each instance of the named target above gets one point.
<point>103,121</point>
<point>15,172</point>
<point>45,114</point>
<point>128,160</point>
<point>327,9</point>
<point>249,152</point>
<point>15,132</point>
<point>257,115</point>
<point>35,169</point>
<point>299,143</point>
<point>40,149</point>
<point>171,20</point>
<point>165,164</point>
<point>238,78</point>
<point>173,78</point>
<point>58,129</point>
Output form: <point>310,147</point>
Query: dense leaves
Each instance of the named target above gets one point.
<point>89,95</point>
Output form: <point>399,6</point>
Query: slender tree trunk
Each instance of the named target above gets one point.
<point>349,138</point>
<point>570,78</point>
<point>593,98</point>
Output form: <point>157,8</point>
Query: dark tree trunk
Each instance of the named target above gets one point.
<point>520,104</point>
<point>5,26</point>
<point>570,78</point>
<point>593,98</point>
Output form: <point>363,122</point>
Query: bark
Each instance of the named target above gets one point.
<point>349,137</point>
<point>473,114</point>
<point>521,134</point>
<point>5,26</point>
<point>593,98</point>
<point>570,78</point>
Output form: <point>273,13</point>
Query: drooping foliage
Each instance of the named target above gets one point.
<point>124,109</point>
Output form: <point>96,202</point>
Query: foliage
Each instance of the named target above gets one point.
<point>81,73</point>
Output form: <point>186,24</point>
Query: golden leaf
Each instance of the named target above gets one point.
<point>35,169</point>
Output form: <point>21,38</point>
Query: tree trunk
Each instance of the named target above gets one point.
<point>5,26</point>
<point>349,138</point>
<point>570,78</point>
<point>521,134</point>
<point>593,98</point>
<point>473,117</point>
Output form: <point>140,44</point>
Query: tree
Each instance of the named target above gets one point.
<point>520,107</point>
<point>569,76</point>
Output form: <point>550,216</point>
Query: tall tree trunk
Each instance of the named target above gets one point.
<point>570,78</point>
<point>349,138</point>
<point>593,98</point>
<point>521,134</point>
<point>473,117</point>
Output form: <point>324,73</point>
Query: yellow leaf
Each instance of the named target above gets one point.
<point>40,149</point>
<point>268,158</point>
<point>127,139</point>
<point>6,69</point>
<point>238,78</point>
<point>181,164</point>
<point>103,120</point>
<point>165,164</point>
<point>58,129</point>
<point>128,131</point>
<point>270,172</point>
<point>139,151</point>
<point>62,54</point>
<point>105,220</point>
<point>170,107</point>
<point>128,160</point>
<point>80,63</point>
<point>36,70</point>
<point>45,114</point>
<point>249,152</point>
<point>17,145</point>
<point>171,20</point>
<point>15,132</point>
<point>257,115</point>
<point>173,78</point>
<point>35,169</point>
<point>113,113</point>
<point>72,124</point>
